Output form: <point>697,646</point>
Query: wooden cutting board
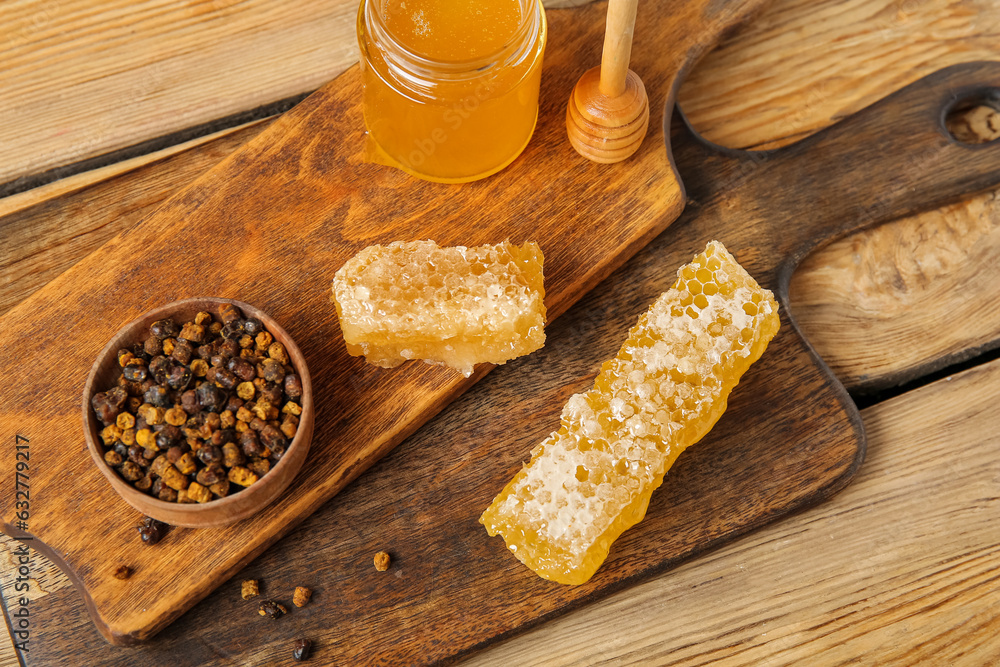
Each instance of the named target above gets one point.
<point>790,437</point>
<point>269,226</point>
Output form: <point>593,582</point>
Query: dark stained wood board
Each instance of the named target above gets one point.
<point>790,437</point>
<point>269,226</point>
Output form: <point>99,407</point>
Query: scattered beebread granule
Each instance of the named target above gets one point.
<point>249,589</point>
<point>454,306</point>
<point>592,479</point>
<point>382,561</point>
<point>271,609</point>
<point>300,598</point>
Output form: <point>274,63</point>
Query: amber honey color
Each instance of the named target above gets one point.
<point>452,306</point>
<point>450,86</point>
<point>593,478</point>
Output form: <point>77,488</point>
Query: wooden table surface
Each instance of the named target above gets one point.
<point>109,107</point>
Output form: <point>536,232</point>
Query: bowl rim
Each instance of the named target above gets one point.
<point>128,492</point>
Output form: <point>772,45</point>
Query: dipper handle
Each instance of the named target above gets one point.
<point>617,46</point>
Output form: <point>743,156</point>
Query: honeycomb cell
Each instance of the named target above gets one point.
<point>663,392</point>
<point>453,306</point>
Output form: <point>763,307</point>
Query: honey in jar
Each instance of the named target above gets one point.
<point>450,86</point>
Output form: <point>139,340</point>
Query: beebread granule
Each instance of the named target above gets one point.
<point>249,589</point>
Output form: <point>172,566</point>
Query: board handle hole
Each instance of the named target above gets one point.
<point>975,119</point>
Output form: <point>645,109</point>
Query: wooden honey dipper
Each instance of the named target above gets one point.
<point>608,111</point>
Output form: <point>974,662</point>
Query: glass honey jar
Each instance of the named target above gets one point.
<point>450,86</point>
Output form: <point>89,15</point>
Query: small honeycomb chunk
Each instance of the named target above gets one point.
<point>452,306</point>
<point>593,478</point>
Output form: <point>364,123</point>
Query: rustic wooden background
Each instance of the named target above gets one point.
<point>918,526</point>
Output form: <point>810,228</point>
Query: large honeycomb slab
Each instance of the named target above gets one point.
<point>593,478</point>
<point>454,306</point>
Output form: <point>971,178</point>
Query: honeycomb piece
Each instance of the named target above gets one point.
<point>453,306</point>
<point>592,479</point>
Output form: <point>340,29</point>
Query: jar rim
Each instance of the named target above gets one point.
<point>421,73</point>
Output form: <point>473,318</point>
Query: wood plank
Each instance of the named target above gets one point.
<point>300,197</point>
<point>805,64</point>
<point>83,79</point>
<point>71,185</point>
<point>457,588</point>
<point>898,569</point>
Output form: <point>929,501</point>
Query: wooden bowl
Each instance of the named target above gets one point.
<point>222,511</point>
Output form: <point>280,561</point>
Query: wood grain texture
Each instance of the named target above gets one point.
<point>607,129</point>
<point>952,249</point>
<point>898,569</point>
<point>786,440</point>
<point>43,578</point>
<point>71,185</point>
<point>43,240</point>
<point>807,63</point>
<point>869,302</point>
<point>279,216</point>
<point>82,79</point>
<point>86,78</point>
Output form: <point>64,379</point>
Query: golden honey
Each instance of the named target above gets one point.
<point>453,306</point>
<point>450,86</point>
<point>593,478</point>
